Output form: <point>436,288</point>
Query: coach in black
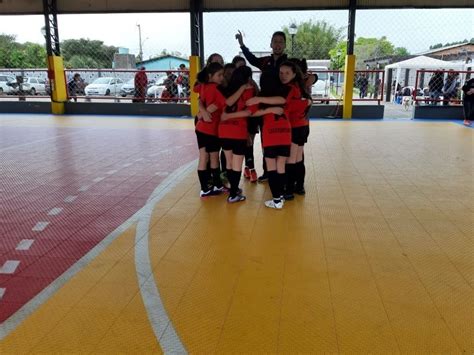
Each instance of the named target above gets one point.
<point>270,67</point>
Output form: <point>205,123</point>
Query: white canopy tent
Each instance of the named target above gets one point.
<point>421,62</point>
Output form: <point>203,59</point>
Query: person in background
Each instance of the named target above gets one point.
<point>468,101</point>
<point>363,85</point>
<point>141,84</point>
<point>183,81</point>
<point>435,87</point>
<point>450,88</point>
<point>74,86</point>
<point>239,61</point>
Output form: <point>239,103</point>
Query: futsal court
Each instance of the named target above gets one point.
<point>107,247</point>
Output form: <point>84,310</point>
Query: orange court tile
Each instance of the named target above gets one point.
<point>376,258</point>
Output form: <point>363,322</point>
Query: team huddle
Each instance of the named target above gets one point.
<point>233,109</point>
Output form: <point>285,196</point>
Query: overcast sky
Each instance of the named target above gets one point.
<point>414,29</point>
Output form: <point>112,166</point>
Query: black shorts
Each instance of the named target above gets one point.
<point>253,123</point>
<point>237,146</point>
<point>211,143</point>
<point>277,151</point>
<point>299,135</point>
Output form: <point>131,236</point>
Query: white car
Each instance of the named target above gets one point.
<point>128,88</point>
<point>4,79</point>
<point>321,89</point>
<point>34,86</point>
<point>104,87</point>
<point>155,90</point>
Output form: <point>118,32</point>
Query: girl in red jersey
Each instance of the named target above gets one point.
<point>233,132</point>
<point>298,103</point>
<point>213,103</point>
<point>276,138</point>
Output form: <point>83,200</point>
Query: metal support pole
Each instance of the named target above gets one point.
<point>197,49</point>
<point>56,74</point>
<point>350,63</point>
<point>197,35</point>
<point>388,96</point>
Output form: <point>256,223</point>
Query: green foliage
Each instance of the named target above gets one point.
<point>313,40</point>
<point>20,55</point>
<point>440,45</point>
<point>90,53</point>
<point>338,56</point>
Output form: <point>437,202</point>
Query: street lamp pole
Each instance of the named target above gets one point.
<point>292,31</point>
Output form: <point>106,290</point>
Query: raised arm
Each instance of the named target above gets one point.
<point>252,59</point>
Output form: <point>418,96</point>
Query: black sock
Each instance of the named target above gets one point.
<point>264,164</point>
<point>223,161</point>
<point>274,184</point>
<point>290,170</point>
<point>281,178</point>
<point>249,162</point>
<point>234,182</point>
<point>216,177</point>
<point>300,175</point>
<point>204,179</point>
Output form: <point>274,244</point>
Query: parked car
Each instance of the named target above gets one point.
<point>321,89</point>
<point>128,89</point>
<point>30,86</point>
<point>4,80</point>
<point>155,90</point>
<point>104,87</point>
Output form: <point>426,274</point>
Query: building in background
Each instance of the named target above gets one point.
<point>164,62</point>
<point>124,60</point>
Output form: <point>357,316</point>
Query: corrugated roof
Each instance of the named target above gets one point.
<point>109,6</point>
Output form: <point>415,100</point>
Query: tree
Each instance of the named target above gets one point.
<point>365,48</point>
<point>338,56</point>
<point>313,40</point>
<point>20,55</point>
<point>173,53</point>
<point>93,53</point>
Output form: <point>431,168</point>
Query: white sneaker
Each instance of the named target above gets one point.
<point>278,205</point>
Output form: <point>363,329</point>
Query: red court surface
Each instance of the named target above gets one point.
<point>64,189</point>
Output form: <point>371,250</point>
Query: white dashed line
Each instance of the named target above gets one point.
<point>55,211</point>
<point>98,179</point>
<point>40,226</point>
<point>2,292</point>
<point>70,199</point>
<point>83,188</point>
<point>161,173</point>
<point>111,172</point>
<point>139,159</point>
<point>9,267</point>
<point>25,244</point>
<point>126,165</point>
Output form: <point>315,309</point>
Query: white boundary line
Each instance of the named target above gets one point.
<point>160,322</point>
<point>166,335</point>
<point>37,141</point>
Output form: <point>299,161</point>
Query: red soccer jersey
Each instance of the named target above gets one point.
<point>209,94</point>
<point>276,130</point>
<point>296,107</point>
<point>236,128</point>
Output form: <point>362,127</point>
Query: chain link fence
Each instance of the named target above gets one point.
<point>161,44</point>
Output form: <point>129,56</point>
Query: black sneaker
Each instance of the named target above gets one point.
<point>288,197</point>
<point>236,198</point>
<point>263,177</point>
<point>208,193</point>
<point>301,191</point>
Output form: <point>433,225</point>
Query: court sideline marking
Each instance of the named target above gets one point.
<point>164,332</point>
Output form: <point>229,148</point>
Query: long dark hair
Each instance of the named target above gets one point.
<point>211,69</point>
<point>298,80</point>
<point>240,76</point>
